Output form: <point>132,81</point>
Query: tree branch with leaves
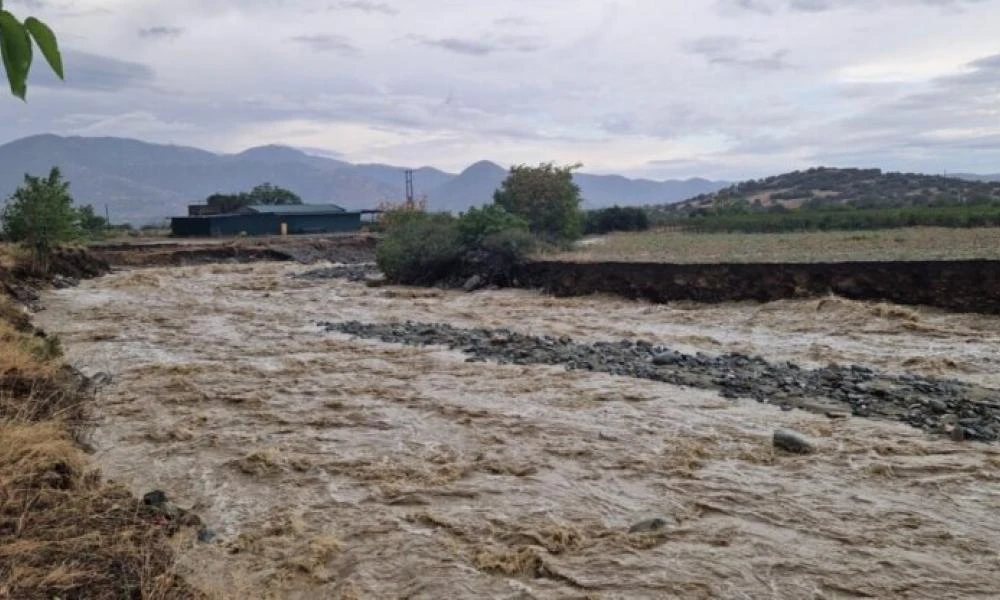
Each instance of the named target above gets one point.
<point>16,49</point>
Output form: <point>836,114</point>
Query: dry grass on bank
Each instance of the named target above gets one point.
<point>64,532</point>
<point>665,245</point>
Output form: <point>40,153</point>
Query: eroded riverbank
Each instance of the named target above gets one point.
<point>335,467</point>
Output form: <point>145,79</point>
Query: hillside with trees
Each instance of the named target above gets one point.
<point>822,187</point>
<point>826,199</point>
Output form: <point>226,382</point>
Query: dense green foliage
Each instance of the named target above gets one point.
<point>546,197</point>
<point>420,248</point>
<point>847,219</point>
<point>479,223</point>
<point>92,225</point>
<point>16,49</point>
<point>40,215</point>
<point>616,218</point>
<point>264,193</point>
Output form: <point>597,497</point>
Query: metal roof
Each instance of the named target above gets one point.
<point>294,209</point>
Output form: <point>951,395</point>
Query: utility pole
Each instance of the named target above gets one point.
<point>107,215</point>
<point>409,186</point>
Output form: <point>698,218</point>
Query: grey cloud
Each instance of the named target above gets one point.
<point>770,7</point>
<point>30,4</point>
<point>326,43</point>
<point>511,22</point>
<point>460,46</point>
<point>756,6</point>
<point>93,72</point>
<point>485,46</point>
<point>737,52</point>
<point>161,32</point>
<point>368,6</point>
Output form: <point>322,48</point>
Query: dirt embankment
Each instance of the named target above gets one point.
<point>965,286</point>
<point>344,249</point>
<point>64,531</point>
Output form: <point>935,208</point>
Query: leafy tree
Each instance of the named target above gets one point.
<point>40,215</point>
<point>264,193</point>
<point>546,197</point>
<point>16,49</point>
<point>91,224</point>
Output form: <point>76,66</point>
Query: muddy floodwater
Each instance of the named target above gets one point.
<point>333,467</point>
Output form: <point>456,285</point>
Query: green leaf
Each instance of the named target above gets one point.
<point>15,48</point>
<point>46,41</point>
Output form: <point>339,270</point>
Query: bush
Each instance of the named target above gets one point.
<point>421,249</point>
<point>616,218</point>
<point>498,254</point>
<point>424,249</point>
<point>479,223</point>
<point>92,225</point>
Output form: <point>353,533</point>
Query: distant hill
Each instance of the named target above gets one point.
<point>856,188</point>
<point>142,182</point>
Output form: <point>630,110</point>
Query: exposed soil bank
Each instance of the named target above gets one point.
<point>966,286</point>
<point>65,532</point>
<point>344,249</point>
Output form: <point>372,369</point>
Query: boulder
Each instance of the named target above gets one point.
<point>652,525</point>
<point>473,283</point>
<point>793,442</point>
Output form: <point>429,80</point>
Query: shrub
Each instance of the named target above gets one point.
<point>616,218</point>
<point>421,249</point>
<point>424,249</point>
<point>479,223</point>
<point>498,254</point>
<point>92,225</point>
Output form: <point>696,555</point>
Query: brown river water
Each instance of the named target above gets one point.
<point>340,468</point>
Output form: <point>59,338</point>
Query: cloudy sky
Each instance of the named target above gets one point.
<point>656,88</point>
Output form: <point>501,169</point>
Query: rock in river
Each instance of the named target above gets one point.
<point>651,525</point>
<point>789,441</point>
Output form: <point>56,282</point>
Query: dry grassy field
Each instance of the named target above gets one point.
<point>666,245</point>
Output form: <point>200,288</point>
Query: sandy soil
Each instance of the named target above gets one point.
<point>333,467</point>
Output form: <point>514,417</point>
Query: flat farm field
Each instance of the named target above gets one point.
<point>675,246</point>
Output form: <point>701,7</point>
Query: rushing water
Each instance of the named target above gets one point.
<point>339,468</point>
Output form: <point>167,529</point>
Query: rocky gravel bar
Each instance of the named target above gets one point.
<point>950,407</point>
<point>357,273</point>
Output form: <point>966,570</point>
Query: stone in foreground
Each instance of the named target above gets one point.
<point>790,441</point>
<point>650,525</point>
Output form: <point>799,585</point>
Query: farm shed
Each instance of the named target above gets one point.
<point>289,219</point>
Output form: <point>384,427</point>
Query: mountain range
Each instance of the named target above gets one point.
<point>141,182</point>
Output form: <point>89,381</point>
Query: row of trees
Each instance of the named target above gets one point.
<point>775,221</point>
